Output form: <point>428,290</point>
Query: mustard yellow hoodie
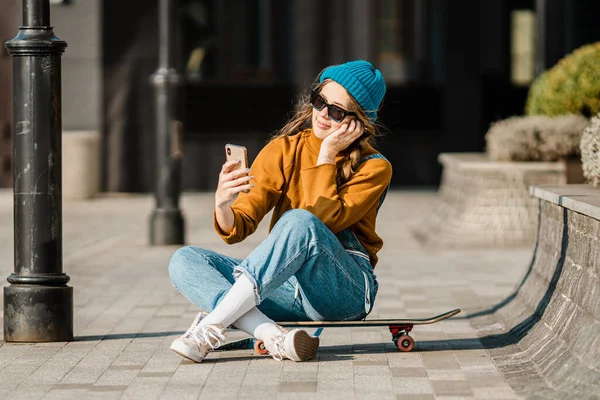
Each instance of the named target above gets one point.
<point>286,177</point>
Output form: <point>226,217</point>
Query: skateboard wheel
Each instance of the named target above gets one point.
<point>405,343</point>
<point>259,348</point>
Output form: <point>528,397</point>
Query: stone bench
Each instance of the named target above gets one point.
<point>550,341</point>
<point>487,203</point>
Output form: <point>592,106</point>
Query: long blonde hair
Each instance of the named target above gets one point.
<point>302,119</point>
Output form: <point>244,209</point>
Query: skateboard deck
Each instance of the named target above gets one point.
<point>371,322</point>
<point>399,328</point>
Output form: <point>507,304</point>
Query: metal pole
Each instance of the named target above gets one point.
<point>166,221</point>
<point>38,304</point>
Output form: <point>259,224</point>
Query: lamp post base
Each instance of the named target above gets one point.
<point>37,313</point>
<point>166,227</point>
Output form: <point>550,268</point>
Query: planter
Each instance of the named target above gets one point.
<point>487,203</point>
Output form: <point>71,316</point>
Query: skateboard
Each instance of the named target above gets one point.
<point>399,328</point>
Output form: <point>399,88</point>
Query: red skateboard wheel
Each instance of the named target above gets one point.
<point>259,348</point>
<point>405,343</point>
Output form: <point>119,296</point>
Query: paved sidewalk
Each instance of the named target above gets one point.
<point>127,313</point>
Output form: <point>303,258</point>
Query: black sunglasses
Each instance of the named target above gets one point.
<point>335,113</point>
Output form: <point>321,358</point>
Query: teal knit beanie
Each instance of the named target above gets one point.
<point>362,81</point>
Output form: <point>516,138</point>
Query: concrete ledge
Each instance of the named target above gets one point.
<point>583,199</point>
<point>480,161</point>
<point>549,344</point>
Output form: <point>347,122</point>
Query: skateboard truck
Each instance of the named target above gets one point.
<point>401,337</point>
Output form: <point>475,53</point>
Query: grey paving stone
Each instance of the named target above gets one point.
<point>370,363</point>
<point>471,355</point>
<point>30,391</point>
<point>70,386</point>
<point>298,377</point>
<point>163,361</point>
<point>257,392</point>
<point>329,395</point>
<point>375,395</point>
<point>10,352</point>
<point>116,378</point>
<point>372,370</point>
<point>336,367</point>
<point>327,384</point>
<point>412,386</point>
<point>125,367</point>
<point>258,380</point>
<point>214,382</point>
<point>445,375</point>
<point>415,397</point>
<point>127,313</point>
<point>487,382</point>
<point>62,394</point>
<point>191,374</point>
<point>296,396</point>
<point>371,383</point>
<point>180,392</point>
<point>504,392</point>
<point>440,360</point>
<point>108,388</point>
<point>479,371</point>
<point>57,366</point>
<point>104,394</point>
<point>452,388</point>
<point>218,392</point>
<point>154,374</point>
<point>405,360</point>
<point>265,365</point>
<point>298,387</point>
<point>145,388</point>
<point>409,372</point>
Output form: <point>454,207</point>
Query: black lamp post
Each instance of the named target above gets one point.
<point>166,221</point>
<point>38,304</point>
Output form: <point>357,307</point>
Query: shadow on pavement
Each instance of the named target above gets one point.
<point>520,330</point>
<point>118,336</point>
<point>486,342</point>
<point>510,298</point>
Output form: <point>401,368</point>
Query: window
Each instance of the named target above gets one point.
<point>522,47</point>
<point>236,41</point>
<point>402,45</point>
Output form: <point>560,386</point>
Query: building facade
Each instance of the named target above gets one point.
<point>452,68</point>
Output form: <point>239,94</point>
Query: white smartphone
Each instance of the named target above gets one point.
<point>237,152</point>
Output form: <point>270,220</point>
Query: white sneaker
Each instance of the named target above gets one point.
<point>198,340</point>
<point>296,345</point>
<point>236,339</point>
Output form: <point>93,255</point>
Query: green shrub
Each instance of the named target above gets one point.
<point>535,138</point>
<point>590,151</point>
<point>572,86</point>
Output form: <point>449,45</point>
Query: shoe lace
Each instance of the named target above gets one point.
<point>208,335</point>
<point>194,325</point>
<point>278,350</point>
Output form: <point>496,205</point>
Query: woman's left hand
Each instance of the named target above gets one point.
<point>341,138</point>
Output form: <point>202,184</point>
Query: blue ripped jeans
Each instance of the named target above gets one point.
<point>301,272</point>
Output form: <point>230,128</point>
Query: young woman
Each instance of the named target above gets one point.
<point>325,182</point>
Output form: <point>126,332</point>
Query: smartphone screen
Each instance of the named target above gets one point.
<point>237,152</point>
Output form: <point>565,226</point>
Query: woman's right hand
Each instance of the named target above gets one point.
<point>231,183</point>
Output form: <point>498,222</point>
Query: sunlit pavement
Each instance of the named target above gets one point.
<point>127,313</point>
